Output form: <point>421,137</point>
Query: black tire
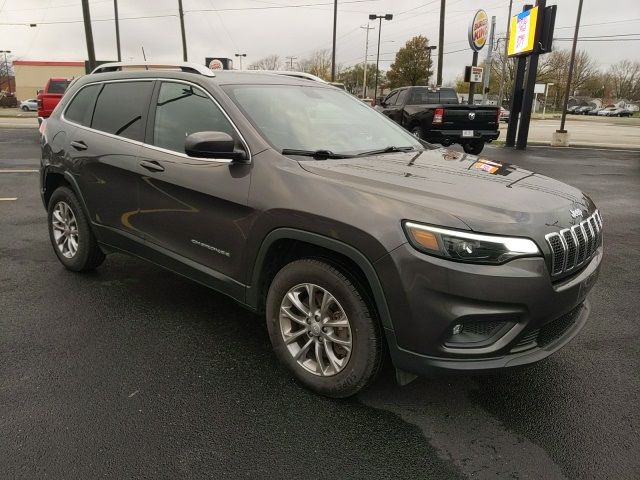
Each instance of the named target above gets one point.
<point>474,147</point>
<point>366,355</point>
<point>25,109</point>
<point>88,255</point>
<point>417,132</point>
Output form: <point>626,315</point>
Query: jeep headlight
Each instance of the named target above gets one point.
<point>468,246</point>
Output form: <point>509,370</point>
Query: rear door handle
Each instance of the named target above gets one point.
<point>152,166</point>
<point>79,145</point>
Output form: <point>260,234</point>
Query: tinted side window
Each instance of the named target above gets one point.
<point>121,107</point>
<point>402,97</point>
<point>81,107</point>
<point>181,110</point>
<point>391,98</point>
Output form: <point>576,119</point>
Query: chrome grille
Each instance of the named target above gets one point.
<point>572,247</point>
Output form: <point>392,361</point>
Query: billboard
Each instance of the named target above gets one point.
<point>522,33</point>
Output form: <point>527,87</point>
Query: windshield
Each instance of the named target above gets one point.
<point>294,117</point>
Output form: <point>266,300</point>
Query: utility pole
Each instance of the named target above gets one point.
<point>184,37</point>
<point>570,76</point>
<point>86,15</point>
<point>115,10</point>
<point>366,57</point>
<point>487,63</point>
<point>291,59</point>
<point>373,16</point>
<point>333,52</point>
<point>440,43</point>
<point>506,58</point>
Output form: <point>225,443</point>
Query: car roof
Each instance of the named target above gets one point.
<point>222,77</point>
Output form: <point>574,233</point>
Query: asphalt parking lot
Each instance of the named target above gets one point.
<point>134,372</point>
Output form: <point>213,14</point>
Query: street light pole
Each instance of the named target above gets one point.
<point>86,15</point>
<point>115,11</point>
<point>440,43</point>
<point>373,16</point>
<point>506,58</point>
<point>184,36</point>
<point>570,76</point>
<point>333,51</point>
<point>366,56</point>
<point>240,55</point>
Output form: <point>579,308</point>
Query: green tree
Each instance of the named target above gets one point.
<point>353,78</point>
<point>412,65</point>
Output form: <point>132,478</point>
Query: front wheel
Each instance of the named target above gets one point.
<point>25,108</point>
<point>473,147</point>
<point>322,329</point>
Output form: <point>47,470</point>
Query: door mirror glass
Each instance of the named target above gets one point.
<point>213,145</point>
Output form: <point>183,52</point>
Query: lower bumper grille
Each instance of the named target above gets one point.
<point>547,334</point>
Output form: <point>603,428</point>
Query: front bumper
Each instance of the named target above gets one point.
<point>529,316</point>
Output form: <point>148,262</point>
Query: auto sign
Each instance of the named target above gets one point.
<point>478,30</point>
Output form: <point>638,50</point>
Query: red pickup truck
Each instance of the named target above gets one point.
<point>51,95</point>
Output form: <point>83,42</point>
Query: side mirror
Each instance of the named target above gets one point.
<point>213,145</point>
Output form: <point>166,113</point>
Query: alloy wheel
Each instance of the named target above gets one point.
<point>65,229</point>
<point>315,329</point>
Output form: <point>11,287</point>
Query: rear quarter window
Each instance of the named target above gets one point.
<point>80,110</point>
<point>121,109</point>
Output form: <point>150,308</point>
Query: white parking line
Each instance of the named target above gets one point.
<point>8,199</point>
<point>17,170</point>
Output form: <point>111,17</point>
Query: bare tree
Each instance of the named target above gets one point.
<point>270,62</point>
<point>623,80</point>
<point>318,63</point>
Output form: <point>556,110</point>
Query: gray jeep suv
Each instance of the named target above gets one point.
<point>299,201</point>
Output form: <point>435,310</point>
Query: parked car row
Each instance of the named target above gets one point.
<point>610,111</point>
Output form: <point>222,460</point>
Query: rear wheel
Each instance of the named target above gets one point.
<point>417,132</point>
<point>71,237</point>
<point>322,330</point>
<point>473,147</point>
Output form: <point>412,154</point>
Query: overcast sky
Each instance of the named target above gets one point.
<point>261,27</point>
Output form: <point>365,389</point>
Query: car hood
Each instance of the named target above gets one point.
<point>488,196</point>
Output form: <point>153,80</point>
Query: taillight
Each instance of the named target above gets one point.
<point>437,116</point>
<point>499,115</point>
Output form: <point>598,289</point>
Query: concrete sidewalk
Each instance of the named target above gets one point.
<point>586,132</point>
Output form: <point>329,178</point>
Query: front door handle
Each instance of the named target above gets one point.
<point>152,166</point>
<point>79,145</point>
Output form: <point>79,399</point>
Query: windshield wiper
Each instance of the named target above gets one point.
<point>390,149</point>
<point>317,154</point>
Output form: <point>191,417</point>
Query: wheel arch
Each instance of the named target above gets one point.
<point>278,245</point>
<point>53,178</point>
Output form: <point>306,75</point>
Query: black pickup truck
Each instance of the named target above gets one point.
<point>436,115</point>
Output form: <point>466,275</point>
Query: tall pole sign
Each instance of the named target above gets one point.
<point>530,35</point>
<point>478,33</point>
